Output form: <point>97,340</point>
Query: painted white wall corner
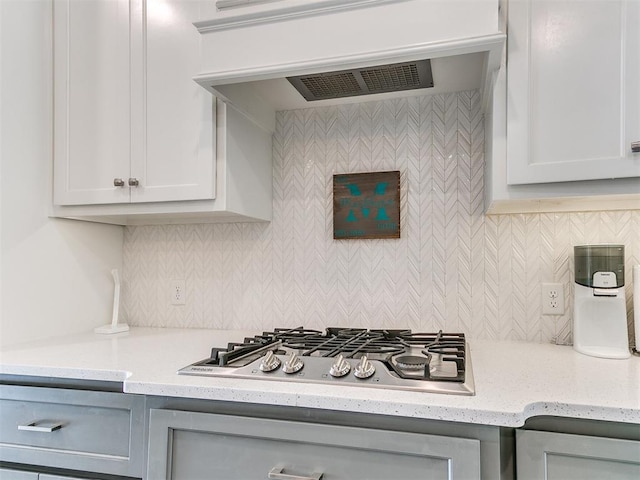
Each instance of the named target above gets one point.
<point>55,274</point>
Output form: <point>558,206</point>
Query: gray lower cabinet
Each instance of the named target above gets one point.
<point>45,476</point>
<point>8,474</point>
<point>560,456</point>
<point>197,446</point>
<point>79,430</point>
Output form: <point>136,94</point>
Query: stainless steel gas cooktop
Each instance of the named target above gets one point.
<point>391,359</point>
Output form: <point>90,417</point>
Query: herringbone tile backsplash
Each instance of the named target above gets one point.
<point>453,267</point>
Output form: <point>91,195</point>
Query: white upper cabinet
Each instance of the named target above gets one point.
<point>130,123</point>
<point>573,79</point>
<point>137,141</point>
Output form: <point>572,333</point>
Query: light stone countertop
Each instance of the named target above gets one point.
<point>514,381</point>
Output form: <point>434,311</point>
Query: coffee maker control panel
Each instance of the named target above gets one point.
<point>604,280</point>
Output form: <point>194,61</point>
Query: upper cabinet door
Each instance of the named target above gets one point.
<point>573,90</point>
<point>173,146</point>
<point>91,101</point>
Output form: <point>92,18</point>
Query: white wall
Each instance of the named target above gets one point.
<point>55,273</point>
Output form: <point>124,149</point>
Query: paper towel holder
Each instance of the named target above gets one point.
<point>114,326</point>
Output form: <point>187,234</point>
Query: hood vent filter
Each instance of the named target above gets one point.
<point>364,81</point>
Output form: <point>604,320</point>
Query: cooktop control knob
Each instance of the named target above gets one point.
<point>364,369</point>
<point>269,362</point>
<point>293,364</point>
<point>340,368</point>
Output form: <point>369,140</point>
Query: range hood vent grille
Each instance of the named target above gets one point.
<point>364,81</point>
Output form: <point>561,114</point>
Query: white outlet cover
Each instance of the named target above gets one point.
<point>552,299</point>
<point>177,292</point>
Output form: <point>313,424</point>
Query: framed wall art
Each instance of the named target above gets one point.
<point>366,205</point>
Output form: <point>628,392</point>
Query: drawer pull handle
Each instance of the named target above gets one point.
<point>635,147</point>
<point>276,473</point>
<point>45,427</point>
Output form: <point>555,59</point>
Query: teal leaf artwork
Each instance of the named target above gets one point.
<point>366,205</point>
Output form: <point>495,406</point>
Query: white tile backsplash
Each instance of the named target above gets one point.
<point>453,268</point>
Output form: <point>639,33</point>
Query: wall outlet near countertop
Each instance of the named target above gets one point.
<point>177,292</point>
<point>552,299</point>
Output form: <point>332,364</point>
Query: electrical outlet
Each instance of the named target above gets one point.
<point>552,299</point>
<point>177,292</point>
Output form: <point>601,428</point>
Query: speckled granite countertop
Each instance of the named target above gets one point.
<point>514,381</point>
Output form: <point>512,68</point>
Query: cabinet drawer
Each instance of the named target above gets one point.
<point>6,474</point>
<point>75,429</point>
<point>189,445</point>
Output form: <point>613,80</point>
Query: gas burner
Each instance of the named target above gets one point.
<point>381,358</point>
<point>411,362</point>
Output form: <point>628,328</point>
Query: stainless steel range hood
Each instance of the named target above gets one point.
<point>293,54</point>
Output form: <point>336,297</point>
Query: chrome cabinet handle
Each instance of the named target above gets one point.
<point>133,182</point>
<point>276,474</point>
<point>44,427</point>
<point>118,182</point>
<point>635,147</point>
